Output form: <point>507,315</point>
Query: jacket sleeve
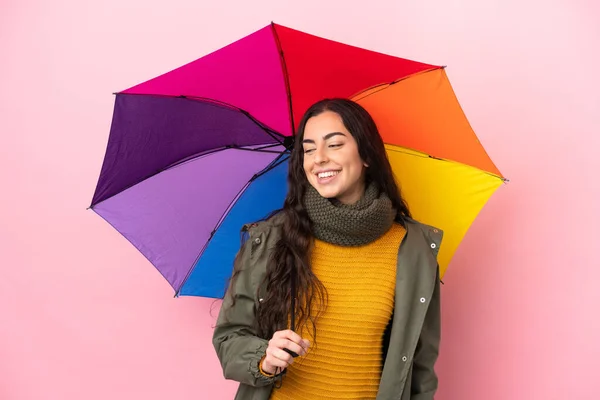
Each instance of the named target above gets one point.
<point>424,378</point>
<point>238,347</point>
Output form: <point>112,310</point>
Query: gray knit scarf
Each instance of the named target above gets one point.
<point>350,225</point>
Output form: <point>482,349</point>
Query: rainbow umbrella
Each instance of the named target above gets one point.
<point>197,152</point>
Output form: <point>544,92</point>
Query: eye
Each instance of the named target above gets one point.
<point>334,145</point>
<point>308,151</point>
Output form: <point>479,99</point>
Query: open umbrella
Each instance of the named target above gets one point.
<point>197,152</point>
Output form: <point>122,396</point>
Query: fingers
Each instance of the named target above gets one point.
<point>293,337</point>
<point>288,344</point>
<point>277,357</point>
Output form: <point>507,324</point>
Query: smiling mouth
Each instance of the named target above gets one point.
<point>328,174</point>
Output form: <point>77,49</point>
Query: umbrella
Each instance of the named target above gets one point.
<point>195,153</point>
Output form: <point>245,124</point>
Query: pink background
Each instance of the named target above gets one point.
<point>84,315</point>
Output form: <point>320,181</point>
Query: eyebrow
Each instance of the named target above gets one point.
<point>326,137</point>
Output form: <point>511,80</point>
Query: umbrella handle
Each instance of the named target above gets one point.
<point>293,301</point>
<point>293,309</point>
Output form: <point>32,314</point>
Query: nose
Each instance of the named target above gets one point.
<point>320,156</point>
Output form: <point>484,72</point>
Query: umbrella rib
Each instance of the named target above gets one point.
<point>210,237</point>
<point>268,146</point>
<point>417,153</point>
<point>286,77</point>
<point>193,157</point>
<point>275,163</point>
<point>382,86</point>
<point>278,161</point>
<point>271,132</point>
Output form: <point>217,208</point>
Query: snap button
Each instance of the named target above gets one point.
<point>257,240</point>
<point>404,358</point>
<point>435,231</point>
<point>422,299</point>
<point>433,245</point>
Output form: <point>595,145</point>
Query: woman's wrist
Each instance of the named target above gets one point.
<point>261,366</point>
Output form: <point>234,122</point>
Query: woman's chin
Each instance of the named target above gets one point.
<point>327,192</point>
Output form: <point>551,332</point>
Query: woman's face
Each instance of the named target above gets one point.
<point>331,160</point>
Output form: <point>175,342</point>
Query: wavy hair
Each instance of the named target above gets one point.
<point>290,259</point>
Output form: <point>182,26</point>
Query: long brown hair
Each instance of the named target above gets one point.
<point>291,256</point>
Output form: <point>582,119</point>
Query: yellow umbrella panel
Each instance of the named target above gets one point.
<point>442,193</point>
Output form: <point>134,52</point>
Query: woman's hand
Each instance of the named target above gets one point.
<point>277,357</point>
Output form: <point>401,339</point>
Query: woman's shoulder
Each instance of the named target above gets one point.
<point>422,226</point>
<point>432,234</point>
<point>273,221</point>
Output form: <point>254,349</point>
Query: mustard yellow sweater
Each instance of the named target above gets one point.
<point>345,363</point>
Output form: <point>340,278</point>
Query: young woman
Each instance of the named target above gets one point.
<point>336,296</point>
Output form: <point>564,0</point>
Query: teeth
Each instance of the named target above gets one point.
<point>327,174</point>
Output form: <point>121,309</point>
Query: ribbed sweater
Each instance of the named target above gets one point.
<point>345,363</point>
